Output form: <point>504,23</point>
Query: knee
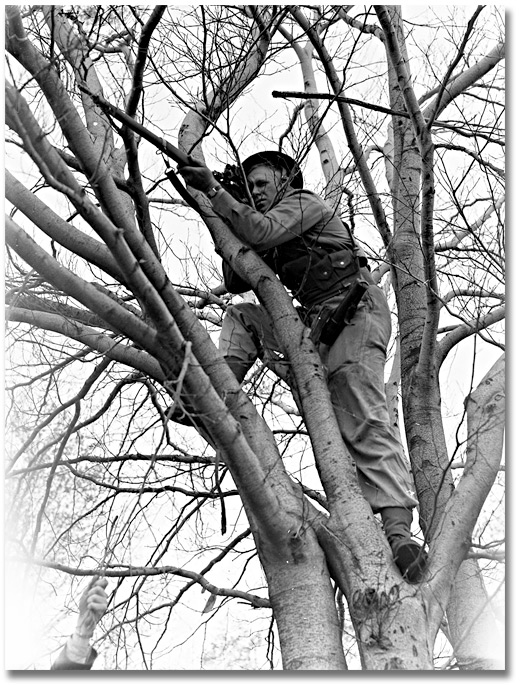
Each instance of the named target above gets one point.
<point>242,311</point>
<point>241,319</point>
<point>239,336</point>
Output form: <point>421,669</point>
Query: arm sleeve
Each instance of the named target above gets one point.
<point>296,213</point>
<point>63,663</point>
<point>234,284</point>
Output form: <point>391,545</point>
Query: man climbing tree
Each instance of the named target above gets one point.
<point>312,251</point>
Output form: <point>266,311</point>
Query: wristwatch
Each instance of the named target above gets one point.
<point>213,191</point>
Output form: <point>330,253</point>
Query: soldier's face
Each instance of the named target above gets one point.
<point>267,186</point>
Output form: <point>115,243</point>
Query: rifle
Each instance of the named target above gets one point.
<point>230,179</point>
<point>163,145</point>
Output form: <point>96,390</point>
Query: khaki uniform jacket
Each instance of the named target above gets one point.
<point>300,238</point>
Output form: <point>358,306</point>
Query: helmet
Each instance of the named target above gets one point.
<point>278,160</point>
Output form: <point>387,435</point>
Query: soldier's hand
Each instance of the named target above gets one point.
<point>92,606</point>
<point>197,175</point>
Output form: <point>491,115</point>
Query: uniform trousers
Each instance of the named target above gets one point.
<point>354,369</point>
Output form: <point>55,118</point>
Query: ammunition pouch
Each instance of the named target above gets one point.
<point>319,274</point>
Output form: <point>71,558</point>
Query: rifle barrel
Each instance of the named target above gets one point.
<point>169,150</point>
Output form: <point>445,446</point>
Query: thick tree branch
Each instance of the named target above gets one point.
<point>21,300</point>
<point>91,338</point>
<point>486,414</point>
<point>468,78</point>
<point>425,143</point>
<point>67,116</point>
<point>90,296</point>
<point>64,233</point>
<point>76,53</point>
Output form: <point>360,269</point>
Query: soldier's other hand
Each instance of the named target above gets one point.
<point>92,606</point>
<point>197,175</point>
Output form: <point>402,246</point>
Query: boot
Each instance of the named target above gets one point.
<point>410,557</point>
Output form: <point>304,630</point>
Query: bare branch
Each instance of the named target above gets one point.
<point>465,330</point>
<point>142,55</point>
<point>450,243</point>
<point>145,572</point>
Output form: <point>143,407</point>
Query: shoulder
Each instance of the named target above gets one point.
<point>304,197</point>
<point>304,193</point>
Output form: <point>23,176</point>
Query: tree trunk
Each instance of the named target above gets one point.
<point>476,639</point>
<point>303,603</point>
<point>474,633</point>
<point>390,617</point>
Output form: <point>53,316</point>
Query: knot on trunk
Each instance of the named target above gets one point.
<point>372,608</point>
